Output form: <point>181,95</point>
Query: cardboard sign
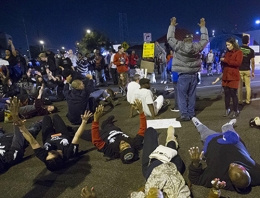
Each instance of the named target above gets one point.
<point>147,65</point>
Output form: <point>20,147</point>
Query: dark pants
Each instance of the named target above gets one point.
<point>150,144</point>
<point>231,93</point>
<point>186,86</point>
<point>114,75</point>
<point>18,139</point>
<point>52,126</point>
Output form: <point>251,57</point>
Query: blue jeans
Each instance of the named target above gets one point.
<point>186,86</point>
<point>100,75</point>
<point>176,105</point>
<point>163,72</point>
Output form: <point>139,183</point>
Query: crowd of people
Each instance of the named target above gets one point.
<point>82,81</point>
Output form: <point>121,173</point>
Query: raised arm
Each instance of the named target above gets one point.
<point>66,88</point>
<point>82,127</point>
<point>204,37</point>
<point>216,186</point>
<point>160,48</point>
<point>171,34</point>
<point>96,139</point>
<point>14,108</point>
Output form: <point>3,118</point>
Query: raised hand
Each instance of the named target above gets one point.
<point>14,108</point>
<point>86,116</point>
<point>98,113</point>
<point>173,21</point>
<point>195,155</point>
<point>217,184</point>
<point>202,22</point>
<point>138,106</point>
<point>86,193</point>
<point>89,76</point>
<point>68,78</point>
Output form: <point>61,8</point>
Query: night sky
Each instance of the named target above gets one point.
<point>62,23</point>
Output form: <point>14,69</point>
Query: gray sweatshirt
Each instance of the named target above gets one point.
<point>186,58</point>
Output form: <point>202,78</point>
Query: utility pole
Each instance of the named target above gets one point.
<point>123,27</point>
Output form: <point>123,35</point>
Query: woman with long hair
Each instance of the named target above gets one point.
<point>230,80</point>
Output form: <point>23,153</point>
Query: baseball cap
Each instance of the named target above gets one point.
<point>229,137</point>
<point>127,155</point>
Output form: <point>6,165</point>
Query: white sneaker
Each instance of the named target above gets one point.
<point>165,82</point>
<point>196,121</point>
<point>162,81</point>
<point>231,122</point>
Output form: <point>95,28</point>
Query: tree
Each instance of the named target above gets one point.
<point>91,41</point>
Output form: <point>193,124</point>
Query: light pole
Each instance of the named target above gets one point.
<point>42,43</point>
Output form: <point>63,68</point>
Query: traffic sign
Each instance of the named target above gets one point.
<point>147,37</point>
<point>125,45</point>
<point>148,50</point>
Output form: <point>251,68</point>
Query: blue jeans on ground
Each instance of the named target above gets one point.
<point>176,105</point>
<point>150,144</point>
<point>163,72</point>
<point>205,131</point>
<point>186,86</point>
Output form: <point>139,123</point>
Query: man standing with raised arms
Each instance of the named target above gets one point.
<point>187,62</point>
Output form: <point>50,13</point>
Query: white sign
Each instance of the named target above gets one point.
<point>255,48</point>
<point>163,123</point>
<point>147,37</point>
<point>116,46</point>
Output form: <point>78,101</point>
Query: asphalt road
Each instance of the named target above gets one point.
<point>112,179</point>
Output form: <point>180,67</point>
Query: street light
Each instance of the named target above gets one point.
<point>63,48</point>
<point>257,22</point>
<point>213,33</point>
<point>88,31</point>
<point>42,43</point>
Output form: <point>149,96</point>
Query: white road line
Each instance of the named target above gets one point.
<point>207,86</point>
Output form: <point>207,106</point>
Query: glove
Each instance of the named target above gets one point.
<point>2,151</point>
<point>64,142</point>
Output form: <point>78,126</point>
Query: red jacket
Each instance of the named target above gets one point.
<point>100,144</point>
<point>118,58</point>
<point>231,64</point>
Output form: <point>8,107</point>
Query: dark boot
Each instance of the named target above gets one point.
<point>227,112</point>
<point>111,102</point>
<point>35,128</point>
<point>235,114</point>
